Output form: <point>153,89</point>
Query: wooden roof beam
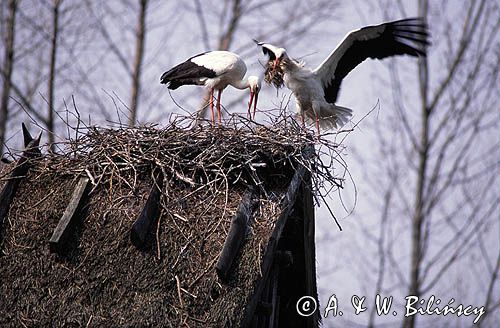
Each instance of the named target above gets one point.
<point>237,233</point>
<point>31,151</point>
<point>150,212</point>
<point>70,216</point>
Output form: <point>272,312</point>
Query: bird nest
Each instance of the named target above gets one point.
<point>274,75</point>
<point>201,156</point>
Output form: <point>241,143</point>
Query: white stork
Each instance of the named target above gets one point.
<point>316,90</point>
<point>215,70</point>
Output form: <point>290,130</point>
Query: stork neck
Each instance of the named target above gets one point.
<point>241,84</point>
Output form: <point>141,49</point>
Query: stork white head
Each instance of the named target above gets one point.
<point>254,85</point>
<point>276,54</point>
<point>280,54</point>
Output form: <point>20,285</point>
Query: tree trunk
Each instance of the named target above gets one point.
<point>139,55</point>
<point>423,155</point>
<point>7,70</point>
<point>52,74</point>
<point>227,37</point>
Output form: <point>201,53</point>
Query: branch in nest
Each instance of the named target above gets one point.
<point>274,75</point>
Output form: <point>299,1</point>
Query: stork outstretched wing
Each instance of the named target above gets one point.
<point>402,37</point>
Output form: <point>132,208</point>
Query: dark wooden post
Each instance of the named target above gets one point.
<point>149,213</point>
<point>70,215</point>
<point>236,234</point>
<point>31,151</point>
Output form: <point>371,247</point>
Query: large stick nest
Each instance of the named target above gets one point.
<point>200,156</point>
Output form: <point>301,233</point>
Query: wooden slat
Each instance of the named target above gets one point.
<point>31,151</point>
<point>69,218</point>
<point>236,234</point>
<point>149,213</point>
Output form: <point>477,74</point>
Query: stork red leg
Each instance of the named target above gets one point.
<point>255,104</point>
<point>218,105</point>
<point>211,101</point>
<point>249,116</point>
<point>317,127</point>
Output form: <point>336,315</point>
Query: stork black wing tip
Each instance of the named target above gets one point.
<point>410,19</point>
<point>258,42</point>
<point>163,78</point>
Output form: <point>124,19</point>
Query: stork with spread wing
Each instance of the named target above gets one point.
<point>316,90</point>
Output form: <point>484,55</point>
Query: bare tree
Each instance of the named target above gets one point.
<point>433,178</point>
<point>52,70</point>
<point>226,38</point>
<point>434,185</point>
<point>139,55</point>
<point>53,39</point>
<point>131,66</point>
<point>7,69</point>
<point>491,302</point>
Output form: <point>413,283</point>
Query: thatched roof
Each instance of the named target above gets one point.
<point>99,278</point>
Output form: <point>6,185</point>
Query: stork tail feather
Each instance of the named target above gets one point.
<point>332,116</point>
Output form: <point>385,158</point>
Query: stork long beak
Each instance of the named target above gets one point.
<point>255,104</point>
<point>276,63</point>
<point>250,104</point>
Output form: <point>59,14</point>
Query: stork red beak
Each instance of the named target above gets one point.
<point>276,63</point>
<point>255,104</point>
<point>250,104</point>
<point>254,96</point>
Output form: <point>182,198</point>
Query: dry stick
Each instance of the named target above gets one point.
<point>158,238</point>
<point>40,201</point>
<point>209,267</point>
<point>179,291</point>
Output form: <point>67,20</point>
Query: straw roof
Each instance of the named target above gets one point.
<point>100,278</point>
